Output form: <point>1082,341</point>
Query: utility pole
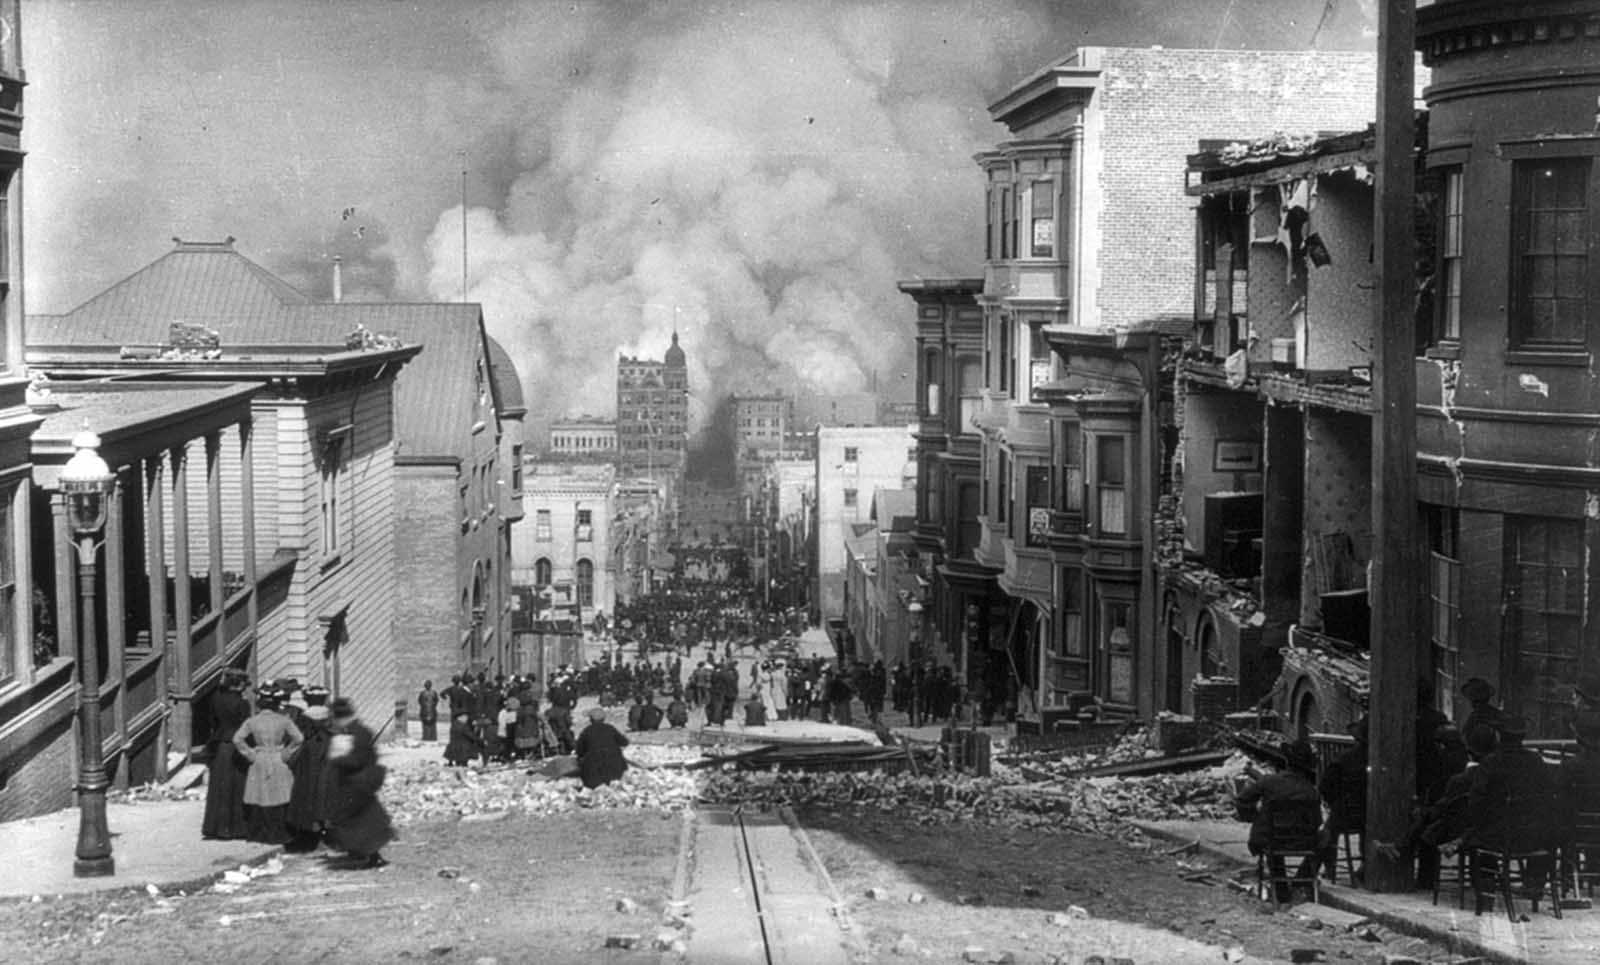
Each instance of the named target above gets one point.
<point>1396,549</point>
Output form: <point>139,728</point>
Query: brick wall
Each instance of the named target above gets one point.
<point>1157,104</point>
<point>427,610</point>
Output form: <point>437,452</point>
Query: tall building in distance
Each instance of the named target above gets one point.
<point>653,411</point>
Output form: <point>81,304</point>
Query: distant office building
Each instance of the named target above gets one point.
<point>852,465</point>
<point>653,411</point>
<point>583,438</point>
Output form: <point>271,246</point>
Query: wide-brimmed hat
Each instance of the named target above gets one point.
<point>315,694</point>
<point>1480,740</point>
<point>1477,689</point>
<point>343,707</point>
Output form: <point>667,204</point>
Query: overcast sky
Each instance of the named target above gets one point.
<point>757,175</point>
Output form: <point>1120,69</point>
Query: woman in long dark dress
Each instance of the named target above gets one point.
<point>224,818</point>
<point>358,823</point>
<point>308,801</point>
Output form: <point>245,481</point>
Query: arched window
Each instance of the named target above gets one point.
<point>585,583</point>
<point>541,572</point>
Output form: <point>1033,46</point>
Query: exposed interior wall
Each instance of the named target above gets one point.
<point>1339,295</point>
<point>1338,507</point>
<point>1211,416</point>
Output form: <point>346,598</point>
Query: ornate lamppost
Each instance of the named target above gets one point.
<point>86,483</point>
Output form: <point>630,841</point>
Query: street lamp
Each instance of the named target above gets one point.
<point>85,482</point>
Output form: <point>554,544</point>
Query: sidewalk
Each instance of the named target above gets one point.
<point>1543,939</point>
<point>153,843</point>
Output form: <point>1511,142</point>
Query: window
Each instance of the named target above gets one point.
<point>1006,362</point>
<point>1069,458</point>
<point>542,572</point>
<point>335,475</point>
<point>585,532</point>
<point>849,497</point>
<point>1039,360</point>
<point>1006,227</point>
<point>1549,245</point>
<point>1043,229</point>
<point>9,654</point>
<point>1444,600</point>
<point>969,503</point>
<point>516,469</point>
<point>850,453</point>
<point>1112,480</point>
<point>1447,279</point>
<point>1070,643</point>
<point>989,222</point>
<point>541,525</point>
<point>1543,603</point>
<point>1002,479</point>
<point>585,583</point>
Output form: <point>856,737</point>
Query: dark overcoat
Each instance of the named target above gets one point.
<point>599,750</point>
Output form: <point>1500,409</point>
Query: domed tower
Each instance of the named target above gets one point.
<point>675,362</point>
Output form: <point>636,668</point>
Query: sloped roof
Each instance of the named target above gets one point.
<point>507,382</point>
<point>894,509</point>
<point>212,284</point>
<point>435,394</point>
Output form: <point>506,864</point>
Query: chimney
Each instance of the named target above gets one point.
<point>338,279</point>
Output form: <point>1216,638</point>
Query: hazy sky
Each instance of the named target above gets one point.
<point>756,174</point>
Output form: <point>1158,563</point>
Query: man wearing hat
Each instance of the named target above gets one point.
<point>1512,803</point>
<point>1284,811</point>
<point>1478,693</point>
<point>599,750</point>
<point>358,824</point>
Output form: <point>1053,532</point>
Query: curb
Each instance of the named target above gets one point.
<point>1343,899</point>
<point>170,887</point>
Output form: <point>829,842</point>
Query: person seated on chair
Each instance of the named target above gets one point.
<point>1578,782</point>
<point>1511,805</point>
<point>1284,812</point>
<point>1344,789</point>
<point>1444,820</point>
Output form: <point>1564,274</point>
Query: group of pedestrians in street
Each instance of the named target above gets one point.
<point>501,720</point>
<point>299,774</point>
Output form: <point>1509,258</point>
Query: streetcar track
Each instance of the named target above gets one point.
<point>755,883</point>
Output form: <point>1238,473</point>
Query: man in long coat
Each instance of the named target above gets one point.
<point>428,711</point>
<point>599,751</point>
<point>358,823</point>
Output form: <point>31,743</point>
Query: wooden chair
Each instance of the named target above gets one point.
<point>1276,866</point>
<point>1456,871</point>
<point>1511,874</point>
<point>1580,854</point>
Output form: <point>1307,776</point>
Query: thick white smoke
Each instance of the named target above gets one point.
<point>757,178</point>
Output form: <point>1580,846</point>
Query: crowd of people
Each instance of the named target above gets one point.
<point>1479,791</point>
<point>295,769</point>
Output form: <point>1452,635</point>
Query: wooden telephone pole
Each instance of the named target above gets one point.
<point>1396,550</point>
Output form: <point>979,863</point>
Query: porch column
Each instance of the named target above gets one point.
<point>183,713</point>
<point>155,555</point>
<point>214,537</point>
<point>62,548</point>
<point>116,623</point>
<point>247,506</point>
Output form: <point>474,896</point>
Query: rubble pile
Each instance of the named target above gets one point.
<point>925,799</point>
<point>150,793</point>
<point>438,793</point>
<point>1104,805</point>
